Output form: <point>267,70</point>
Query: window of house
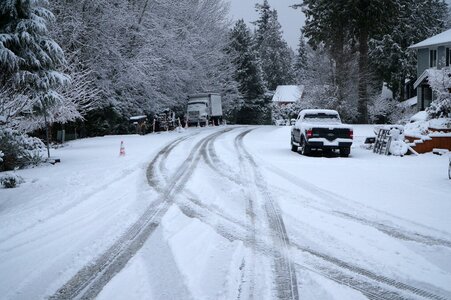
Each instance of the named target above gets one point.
<point>433,58</point>
<point>448,57</point>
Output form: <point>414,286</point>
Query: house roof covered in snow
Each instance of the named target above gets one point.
<point>408,103</point>
<point>288,93</point>
<point>137,118</point>
<point>436,40</point>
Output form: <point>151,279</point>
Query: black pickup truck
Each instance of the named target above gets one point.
<point>321,129</point>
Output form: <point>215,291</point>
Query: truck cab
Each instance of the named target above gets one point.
<point>198,111</point>
<point>204,107</point>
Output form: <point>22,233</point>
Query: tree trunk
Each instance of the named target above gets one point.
<point>402,94</point>
<point>47,133</point>
<point>340,72</point>
<point>362,107</point>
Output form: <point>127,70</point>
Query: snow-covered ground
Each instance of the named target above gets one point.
<point>226,213</point>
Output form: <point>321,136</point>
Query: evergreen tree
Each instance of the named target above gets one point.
<point>343,24</point>
<point>390,57</point>
<point>301,60</point>
<point>29,57</point>
<point>247,74</point>
<point>274,53</point>
<point>262,24</point>
<point>327,26</point>
<point>368,19</point>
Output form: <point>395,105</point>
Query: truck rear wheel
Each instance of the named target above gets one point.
<point>344,152</point>
<point>304,148</point>
<point>294,148</point>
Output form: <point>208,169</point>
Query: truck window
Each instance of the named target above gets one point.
<point>321,116</point>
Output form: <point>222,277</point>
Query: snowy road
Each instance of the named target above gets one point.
<point>227,213</point>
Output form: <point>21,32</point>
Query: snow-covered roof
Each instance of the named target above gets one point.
<point>288,93</point>
<point>422,77</point>
<point>419,116</point>
<point>408,103</point>
<point>386,93</point>
<point>136,118</point>
<point>436,40</point>
<point>431,72</point>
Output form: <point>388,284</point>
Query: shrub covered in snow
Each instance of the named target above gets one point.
<point>381,110</point>
<point>440,82</point>
<point>10,180</point>
<point>19,150</point>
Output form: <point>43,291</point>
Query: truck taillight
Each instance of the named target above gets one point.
<point>351,134</point>
<point>309,133</point>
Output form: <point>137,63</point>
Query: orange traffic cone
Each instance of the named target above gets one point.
<point>122,150</point>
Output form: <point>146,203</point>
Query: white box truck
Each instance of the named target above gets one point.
<point>203,108</point>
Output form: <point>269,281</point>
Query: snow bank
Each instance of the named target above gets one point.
<point>424,129</point>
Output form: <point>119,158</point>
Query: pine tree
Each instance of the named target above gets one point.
<point>301,61</point>
<point>29,57</point>
<point>348,23</point>
<point>327,26</point>
<point>274,53</point>
<point>262,24</point>
<point>390,57</point>
<point>247,73</point>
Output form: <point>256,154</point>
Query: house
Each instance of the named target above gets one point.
<point>287,94</point>
<point>432,54</point>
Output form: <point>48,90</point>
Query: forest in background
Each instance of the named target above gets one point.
<point>90,65</point>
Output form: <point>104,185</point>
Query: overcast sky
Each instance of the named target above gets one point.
<point>291,19</point>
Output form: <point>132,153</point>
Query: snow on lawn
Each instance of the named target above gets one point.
<point>375,212</point>
<point>341,206</point>
<point>64,215</point>
<point>416,188</point>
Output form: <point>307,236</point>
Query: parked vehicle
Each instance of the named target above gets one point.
<point>449,168</point>
<point>280,122</point>
<point>203,108</point>
<point>165,120</point>
<point>320,129</point>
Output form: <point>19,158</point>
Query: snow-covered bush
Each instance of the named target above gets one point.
<point>10,180</point>
<point>440,82</point>
<point>381,110</point>
<point>283,112</point>
<point>19,150</point>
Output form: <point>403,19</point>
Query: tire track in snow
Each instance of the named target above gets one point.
<point>367,288</point>
<point>90,280</point>
<point>332,273</point>
<point>285,273</point>
<point>191,206</point>
<point>217,165</point>
<point>381,225</point>
<point>249,271</point>
<point>213,161</point>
